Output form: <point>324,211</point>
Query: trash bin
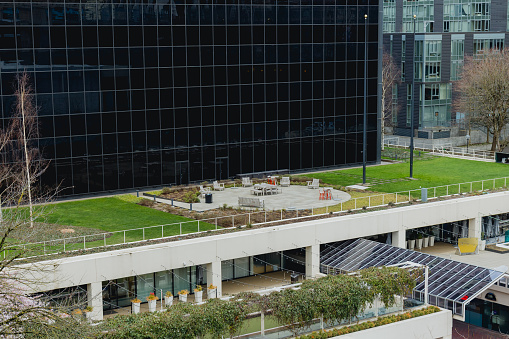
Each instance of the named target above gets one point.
<point>294,278</point>
<point>507,236</point>
<point>208,198</point>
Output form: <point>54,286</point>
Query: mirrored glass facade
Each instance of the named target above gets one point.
<point>144,93</point>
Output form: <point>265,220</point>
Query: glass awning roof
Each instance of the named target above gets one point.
<point>452,284</point>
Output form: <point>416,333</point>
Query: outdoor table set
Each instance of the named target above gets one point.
<point>264,189</point>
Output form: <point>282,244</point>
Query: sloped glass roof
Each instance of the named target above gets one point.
<point>451,284</point>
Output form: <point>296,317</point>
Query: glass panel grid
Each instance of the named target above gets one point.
<point>451,283</point>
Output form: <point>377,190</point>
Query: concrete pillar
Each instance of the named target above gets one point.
<point>95,300</point>
<point>399,239</point>
<point>474,228</point>
<point>312,261</point>
<point>214,277</point>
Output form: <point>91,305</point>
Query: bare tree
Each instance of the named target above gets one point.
<point>391,76</point>
<point>24,132</point>
<point>21,165</point>
<point>484,92</point>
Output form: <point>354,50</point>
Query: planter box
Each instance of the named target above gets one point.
<point>136,308</point>
<point>183,297</point>
<point>419,244</point>
<point>425,243</point>
<point>482,245</point>
<point>198,296</point>
<point>168,301</point>
<point>432,240</point>
<point>152,304</point>
<point>212,293</point>
<point>411,244</point>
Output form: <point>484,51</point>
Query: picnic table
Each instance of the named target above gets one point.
<point>264,189</point>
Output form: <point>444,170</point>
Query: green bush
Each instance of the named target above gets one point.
<point>191,196</point>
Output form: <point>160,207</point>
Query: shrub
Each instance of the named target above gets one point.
<point>166,190</point>
<point>146,202</point>
<point>191,196</point>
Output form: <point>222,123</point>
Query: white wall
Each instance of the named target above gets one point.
<point>86,269</point>
<point>431,326</point>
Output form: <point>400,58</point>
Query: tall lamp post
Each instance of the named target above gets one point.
<point>413,109</point>
<point>364,130</point>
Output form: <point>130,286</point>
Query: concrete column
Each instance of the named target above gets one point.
<point>95,300</point>
<point>399,239</point>
<point>214,277</point>
<point>312,261</point>
<point>474,228</point>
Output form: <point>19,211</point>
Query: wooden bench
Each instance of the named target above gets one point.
<point>251,202</point>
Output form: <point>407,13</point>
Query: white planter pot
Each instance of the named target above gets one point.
<point>411,244</point>
<point>482,245</point>
<point>198,296</point>
<point>168,301</point>
<point>419,244</point>
<point>136,308</point>
<point>88,316</point>
<point>183,297</point>
<point>425,243</point>
<point>152,304</point>
<point>211,293</point>
<point>432,240</point>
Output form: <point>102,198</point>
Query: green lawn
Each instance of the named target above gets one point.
<point>434,172</point>
<point>110,215</point>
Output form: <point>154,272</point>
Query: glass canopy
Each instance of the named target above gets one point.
<point>452,284</point>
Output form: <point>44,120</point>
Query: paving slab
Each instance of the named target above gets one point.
<point>294,197</point>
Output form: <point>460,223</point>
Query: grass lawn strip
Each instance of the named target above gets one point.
<point>435,172</point>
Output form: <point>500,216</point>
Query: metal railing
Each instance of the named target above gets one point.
<point>175,230</point>
<point>442,149</point>
<point>464,152</point>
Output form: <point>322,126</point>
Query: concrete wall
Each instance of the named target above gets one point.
<point>431,326</point>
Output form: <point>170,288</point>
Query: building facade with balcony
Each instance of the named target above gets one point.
<point>445,32</point>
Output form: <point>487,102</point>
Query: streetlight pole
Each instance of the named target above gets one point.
<point>364,130</point>
<point>413,110</point>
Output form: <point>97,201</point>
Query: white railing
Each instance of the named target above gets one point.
<point>110,239</point>
<point>464,152</point>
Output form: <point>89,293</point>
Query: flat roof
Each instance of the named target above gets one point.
<point>451,284</point>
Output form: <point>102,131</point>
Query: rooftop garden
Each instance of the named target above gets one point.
<point>126,221</point>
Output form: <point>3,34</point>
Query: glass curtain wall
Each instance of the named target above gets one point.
<point>135,94</point>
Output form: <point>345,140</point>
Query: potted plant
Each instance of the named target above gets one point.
<point>183,295</point>
<point>431,239</point>
<point>152,302</point>
<point>136,305</point>
<point>425,242</point>
<point>198,294</point>
<point>411,241</point>
<point>88,312</point>
<point>419,241</point>
<point>168,299</point>
<point>211,291</point>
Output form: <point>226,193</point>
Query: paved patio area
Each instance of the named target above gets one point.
<point>485,259</point>
<point>231,287</point>
<point>292,197</point>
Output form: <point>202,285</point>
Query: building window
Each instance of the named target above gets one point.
<point>457,57</point>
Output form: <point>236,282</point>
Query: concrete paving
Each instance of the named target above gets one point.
<point>485,259</point>
<point>292,197</point>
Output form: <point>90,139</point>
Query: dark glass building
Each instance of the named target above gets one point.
<point>138,93</point>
